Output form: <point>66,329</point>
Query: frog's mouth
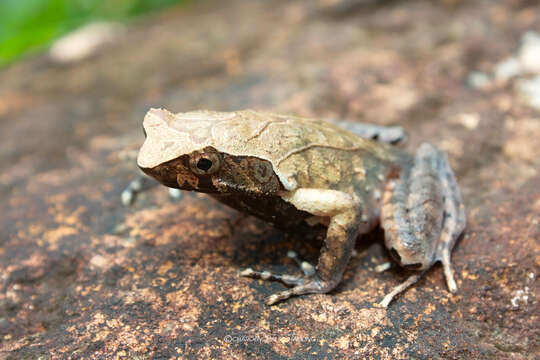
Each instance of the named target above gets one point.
<point>161,176</point>
<point>201,183</point>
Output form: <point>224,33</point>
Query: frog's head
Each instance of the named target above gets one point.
<point>181,152</point>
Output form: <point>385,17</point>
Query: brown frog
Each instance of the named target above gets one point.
<point>291,170</point>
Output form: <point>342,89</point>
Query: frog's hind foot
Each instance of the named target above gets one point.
<point>411,280</point>
<point>307,283</point>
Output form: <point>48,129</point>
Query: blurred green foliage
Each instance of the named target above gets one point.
<point>30,24</point>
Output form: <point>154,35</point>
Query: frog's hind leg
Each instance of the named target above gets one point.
<point>386,134</point>
<point>423,216</point>
<point>453,224</point>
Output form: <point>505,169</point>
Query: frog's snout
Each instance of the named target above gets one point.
<point>161,175</point>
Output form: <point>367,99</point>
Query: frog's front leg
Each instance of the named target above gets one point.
<point>422,216</point>
<point>344,226</point>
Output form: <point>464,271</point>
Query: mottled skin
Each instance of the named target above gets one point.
<point>290,170</point>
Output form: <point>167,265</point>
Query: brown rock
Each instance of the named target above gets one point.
<point>83,276</point>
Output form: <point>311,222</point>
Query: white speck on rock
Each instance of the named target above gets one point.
<point>526,61</point>
<point>99,261</point>
<point>521,297</point>
<point>530,90</point>
<point>469,120</point>
<point>529,53</point>
<point>478,80</point>
<point>507,69</point>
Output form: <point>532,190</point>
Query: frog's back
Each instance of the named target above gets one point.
<point>313,153</point>
<point>304,152</point>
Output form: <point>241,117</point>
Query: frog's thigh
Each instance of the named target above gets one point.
<point>422,214</point>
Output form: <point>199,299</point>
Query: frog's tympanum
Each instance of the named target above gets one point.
<point>291,170</point>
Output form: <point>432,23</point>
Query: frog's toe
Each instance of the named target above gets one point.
<point>127,197</point>
<point>448,271</point>
<point>307,268</point>
<point>307,283</point>
<point>301,284</point>
<point>308,271</point>
<point>400,288</point>
<point>130,192</point>
<point>139,185</point>
<point>312,285</point>
<point>291,280</point>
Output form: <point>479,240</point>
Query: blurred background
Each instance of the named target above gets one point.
<point>27,25</point>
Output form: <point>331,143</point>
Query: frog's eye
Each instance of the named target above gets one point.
<point>205,163</point>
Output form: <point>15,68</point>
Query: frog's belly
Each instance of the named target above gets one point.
<point>269,208</point>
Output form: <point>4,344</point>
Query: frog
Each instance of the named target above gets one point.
<point>291,171</point>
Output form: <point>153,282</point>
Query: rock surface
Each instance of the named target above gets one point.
<point>83,277</point>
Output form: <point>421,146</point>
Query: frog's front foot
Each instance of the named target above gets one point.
<point>308,283</point>
<point>129,194</point>
<point>140,184</point>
